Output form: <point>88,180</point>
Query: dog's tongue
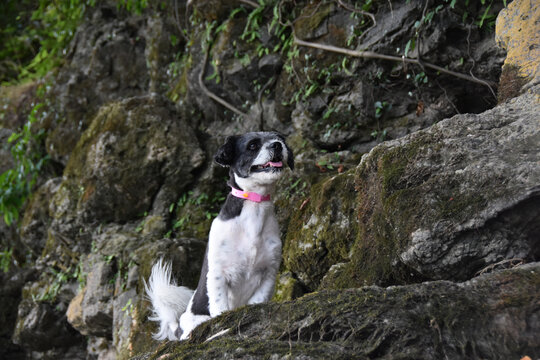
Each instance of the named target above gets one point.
<point>274,164</point>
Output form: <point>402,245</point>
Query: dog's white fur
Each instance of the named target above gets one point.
<point>168,299</point>
<point>243,255</point>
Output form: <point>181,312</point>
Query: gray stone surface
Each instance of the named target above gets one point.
<point>493,316</point>
<point>442,203</point>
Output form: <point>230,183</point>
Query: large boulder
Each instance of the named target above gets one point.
<point>442,203</point>
<point>494,316</point>
<point>135,158</point>
<point>114,55</point>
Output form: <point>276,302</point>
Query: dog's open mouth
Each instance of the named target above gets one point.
<point>269,166</point>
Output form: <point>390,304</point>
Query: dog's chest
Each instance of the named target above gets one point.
<point>245,246</point>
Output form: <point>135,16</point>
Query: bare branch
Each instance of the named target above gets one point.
<point>474,61</point>
<point>177,20</point>
<point>210,94</point>
<point>365,13</point>
<point>250,3</point>
<point>374,55</point>
<point>359,11</point>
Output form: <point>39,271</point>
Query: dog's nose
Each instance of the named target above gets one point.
<point>276,146</point>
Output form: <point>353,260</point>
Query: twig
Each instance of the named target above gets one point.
<point>474,61</point>
<point>513,263</point>
<point>368,14</point>
<point>374,55</point>
<point>446,96</point>
<point>270,82</point>
<point>218,334</point>
<point>210,94</point>
<point>177,20</point>
<point>250,3</point>
<point>359,11</point>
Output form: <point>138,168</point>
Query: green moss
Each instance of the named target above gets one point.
<point>311,17</point>
<point>393,163</point>
<point>140,338</point>
<point>181,86</point>
<point>319,234</point>
<point>288,288</point>
<point>195,211</point>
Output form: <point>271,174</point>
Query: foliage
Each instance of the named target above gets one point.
<point>485,18</point>
<point>133,6</point>
<point>16,183</point>
<point>5,260</point>
<point>36,35</point>
<point>207,208</point>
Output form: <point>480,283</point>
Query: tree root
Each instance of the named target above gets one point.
<point>374,55</point>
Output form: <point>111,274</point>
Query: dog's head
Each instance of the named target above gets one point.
<point>257,157</point>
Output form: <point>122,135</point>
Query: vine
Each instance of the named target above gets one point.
<point>16,183</point>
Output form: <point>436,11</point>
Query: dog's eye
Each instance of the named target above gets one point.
<point>253,146</point>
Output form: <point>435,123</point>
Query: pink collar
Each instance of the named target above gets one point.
<point>249,195</point>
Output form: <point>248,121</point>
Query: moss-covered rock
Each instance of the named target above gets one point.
<point>440,204</point>
<point>318,235</point>
<point>492,316</point>
<point>37,217</point>
<point>136,157</point>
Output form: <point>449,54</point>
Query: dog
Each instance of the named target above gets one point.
<point>244,247</point>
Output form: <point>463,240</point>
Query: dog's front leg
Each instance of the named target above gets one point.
<point>218,298</point>
<point>266,289</point>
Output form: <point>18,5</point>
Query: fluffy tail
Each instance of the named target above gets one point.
<point>168,300</point>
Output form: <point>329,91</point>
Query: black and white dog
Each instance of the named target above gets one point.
<point>244,248</point>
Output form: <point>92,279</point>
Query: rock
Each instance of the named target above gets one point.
<point>130,143</point>
<point>442,203</point>
<point>16,103</point>
<point>160,30</point>
<point>106,62</point>
<point>114,55</point>
<point>96,304</point>
<point>41,327</point>
<point>11,284</point>
<point>101,349</point>
<point>313,21</point>
<point>270,64</point>
<point>491,316</point>
<point>123,320</point>
<point>36,217</point>
<point>74,313</point>
<point>518,32</point>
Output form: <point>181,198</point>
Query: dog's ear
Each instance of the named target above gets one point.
<point>225,154</point>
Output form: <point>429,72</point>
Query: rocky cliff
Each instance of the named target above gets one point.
<point>410,226</point>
